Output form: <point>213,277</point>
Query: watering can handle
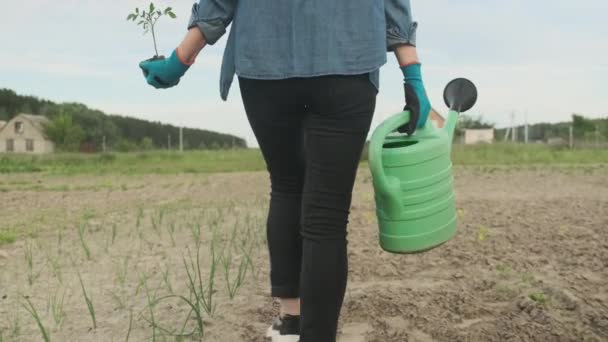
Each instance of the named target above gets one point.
<point>387,127</point>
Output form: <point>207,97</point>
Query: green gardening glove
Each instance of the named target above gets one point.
<point>164,72</point>
<point>416,99</point>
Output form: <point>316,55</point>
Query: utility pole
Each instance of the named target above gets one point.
<point>526,128</point>
<point>181,139</point>
<point>571,143</point>
<point>169,141</point>
<point>597,136</point>
<point>513,128</point>
<point>103,144</point>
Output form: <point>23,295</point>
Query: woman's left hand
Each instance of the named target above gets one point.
<point>164,72</point>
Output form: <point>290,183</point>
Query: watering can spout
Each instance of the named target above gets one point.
<point>459,95</point>
<point>450,125</point>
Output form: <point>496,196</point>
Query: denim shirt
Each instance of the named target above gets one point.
<point>277,39</point>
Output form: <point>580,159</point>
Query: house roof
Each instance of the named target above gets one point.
<point>38,121</point>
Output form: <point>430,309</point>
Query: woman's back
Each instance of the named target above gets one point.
<point>280,39</point>
<point>304,38</point>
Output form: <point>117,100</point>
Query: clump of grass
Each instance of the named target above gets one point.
<point>166,279</point>
<point>59,238</point>
<point>57,309</point>
<point>114,232</point>
<point>203,293</point>
<point>234,283</point>
<point>156,222</point>
<point>200,297</point>
<point>85,247</point>
<point>89,302</point>
<point>121,270</point>
<point>171,231</point>
<point>88,214</point>
<point>539,297</point>
<point>482,233</point>
<point>7,237</point>
<point>504,270</point>
<point>29,260</point>
<point>138,228</point>
<point>56,266</point>
<point>151,301</point>
<point>32,311</point>
<point>195,230</point>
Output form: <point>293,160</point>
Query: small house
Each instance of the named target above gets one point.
<point>476,136</point>
<point>25,134</point>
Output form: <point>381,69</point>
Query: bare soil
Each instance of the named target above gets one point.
<point>529,261</point>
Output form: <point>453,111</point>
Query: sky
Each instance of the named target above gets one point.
<point>538,61</point>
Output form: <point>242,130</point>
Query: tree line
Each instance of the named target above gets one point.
<point>74,126</point>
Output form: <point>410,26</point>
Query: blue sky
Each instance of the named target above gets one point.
<point>544,58</point>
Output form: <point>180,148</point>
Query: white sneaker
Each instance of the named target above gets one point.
<point>285,329</point>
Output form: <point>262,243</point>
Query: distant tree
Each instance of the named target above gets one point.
<point>146,144</point>
<point>582,126</point>
<point>26,108</point>
<point>466,121</point>
<point>64,133</point>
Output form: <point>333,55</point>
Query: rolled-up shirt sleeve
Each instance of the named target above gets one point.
<point>212,17</point>
<point>400,26</point>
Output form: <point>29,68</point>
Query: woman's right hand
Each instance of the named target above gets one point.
<point>416,99</point>
<point>162,73</point>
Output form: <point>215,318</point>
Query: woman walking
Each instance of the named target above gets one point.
<point>308,72</point>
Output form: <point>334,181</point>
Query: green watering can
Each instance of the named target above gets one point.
<point>412,177</point>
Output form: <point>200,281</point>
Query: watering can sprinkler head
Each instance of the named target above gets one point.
<point>460,95</point>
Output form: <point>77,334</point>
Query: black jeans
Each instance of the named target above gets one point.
<point>311,132</point>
